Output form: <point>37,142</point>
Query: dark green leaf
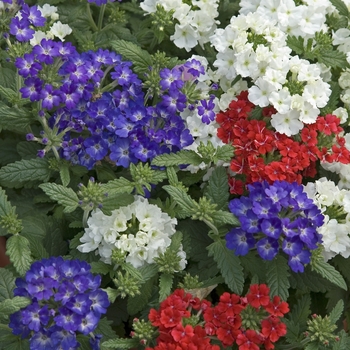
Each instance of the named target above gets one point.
<point>14,119</point>
<point>37,248</point>
<point>104,328</point>
<point>5,205</point>
<point>277,277</point>
<point>100,267</point>
<point>8,152</point>
<point>296,44</point>
<point>63,195</point>
<point>115,201</point>
<point>330,273</point>
<point>22,171</point>
<point>229,266</point>
<point>28,150</point>
<point>337,311</point>
<point>141,59</point>
<point>19,252</point>
<point>333,58</point>
<point>165,284</point>
<point>53,241</point>
<point>341,7</point>
<point>64,174</point>
<point>7,284</point>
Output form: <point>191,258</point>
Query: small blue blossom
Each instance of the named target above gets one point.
<point>277,216</point>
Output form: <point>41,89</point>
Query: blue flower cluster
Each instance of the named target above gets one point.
<point>276,216</point>
<point>66,300</point>
<point>101,2</point>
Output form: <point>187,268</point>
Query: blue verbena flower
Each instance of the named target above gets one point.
<point>274,217</point>
<point>66,301</point>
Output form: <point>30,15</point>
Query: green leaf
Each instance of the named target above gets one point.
<point>296,44</point>
<point>19,252</point>
<point>337,311</point>
<point>120,185</point>
<point>104,328</point>
<point>224,153</point>
<point>333,58</point>
<point>9,306</point>
<point>178,158</point>
<point>53,241</point>
<point>277,277</point>
<point>343,266</point>
<point>172,176</point>
<point>120,344</point>
<point>8,152</point>
<point>115,201</point>
<point>35,226</point>
<point>218,190</point>
<point>344,341</point>
<point>37,248</point>
<point>341,7</point>
<point>28,150</point>
<point>22,171</point>
<point>148,271</point>
<point>329,272</point>
<point>312,346</point>
<point>229,266</point>
<point>10,341</point>
<point>5,205</point>
<point>134,272</point>
<point>112,294</point>
<point>63,195</point>
<point>225,217</point>
<point>165,284</point>
<point>100,267</point>
<point>180,196</point>
<point>7,284</point>
<point>141,59</point>
<point>64,174</point>
<point>15,119</point>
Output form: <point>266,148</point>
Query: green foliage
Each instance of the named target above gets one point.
<point>7,284</point>
<point>18,249</point>
<point>229,265</point>
<point>341,7</point>
<point>337,311</point>
<point>165,284</point>
<point>178,158</point>
<point>217,190</point>
<point>120,344</point>
<point>63,195</point>
<point>277,277</point>
<point>14,119</point>
<point>9,306</point>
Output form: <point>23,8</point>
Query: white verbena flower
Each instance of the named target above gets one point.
<point>60,30</point>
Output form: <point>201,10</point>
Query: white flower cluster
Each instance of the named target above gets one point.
<point>335,206</point>
<point>140,230</point>
<point>254,46</point>
<point>196,23</point>
<point>57,29</point>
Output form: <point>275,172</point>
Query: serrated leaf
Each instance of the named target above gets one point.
<point>165,284</point>
<point>64,174</point>
<point>120,185</point>
<point>141,59</point>
<point>120,344</point>
<point>5,205</point>
<point>224,217</point>
<point>8,152</point>
<point>341,7</point>
<point>7,284</point>
<point>180,196</point>
<point>277,277</point>
<point>100,267</point>
<point>134,272</point>
<point>172,176</point>
<point>296,44</point>
<point>312,346</point>
<point>10,341</point>
<point>34,226</point>
<point>22,171</point>
<point>178,158</point>
<point>112,294</point>
<point>140,301</point>
<point>115,201</point>
<point>343,266</point>
<point>330,273</point>
<point>337,311</point>
<point>9,306</point>
<point>344,341</point>
<point>217,189</point>
<point>15,119</point>
<point>148,271</point>
<point>224,153</point>
<point>19,252</point>
<point>229,266</point>
<point>104,328</point>
<point>333,58</point>
<point>63,195</point>
<point>37,248</point>
<point>28,150</point>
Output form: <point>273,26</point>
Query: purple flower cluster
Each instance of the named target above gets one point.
<point>276,216</point>
<point>66,300</point>
<point>117,124</point>
<point>21,26</point>
<point>101,2</point>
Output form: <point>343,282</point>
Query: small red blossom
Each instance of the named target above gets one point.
<point>258,295</point>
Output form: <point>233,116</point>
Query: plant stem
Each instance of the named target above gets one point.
<point>100,17</point>
<point>91,20</point>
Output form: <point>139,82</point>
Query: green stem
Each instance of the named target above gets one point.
<point>19,82</point>
<point>212,226</point>
<point>100,17</point>
<point>91,20</point>
<point>300,345</point>
<point>85,217</point>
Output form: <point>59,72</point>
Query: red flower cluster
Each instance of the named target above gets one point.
<point>249,322</point>
<point>264,154</point>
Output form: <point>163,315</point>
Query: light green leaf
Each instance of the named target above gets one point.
<point>180,196</point>
<point>9,306</point>
<point>178,158</point>
<point>165,284</point>
<point>341,7</point>
<point>5,205</point>
<point>224,217</point>
<point>7,284</point>
<point>64,174</point>
<point>172,176</point>
<point>277,277</point>
<point>344,341</point>
<point>140,301</point>
<point>337,311</point>
<point>134,272</point>
<point>112,294</point>
<point>19,253</point>
<point>224,153</point>
<point>229,265</point>
<point>120,185</point>
<point>218,190</point>
<point>296,44</point>
<point>141,59</point>
<point>120,344</point>
<point>329,272</point>
<point>63,195</point>
<point>22,171</point>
